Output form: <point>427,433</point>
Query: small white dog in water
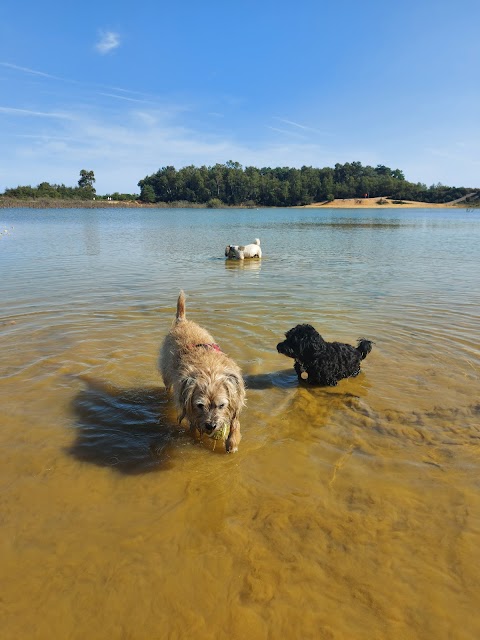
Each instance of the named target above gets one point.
<point>240,252</point>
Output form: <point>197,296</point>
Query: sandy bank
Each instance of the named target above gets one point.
<point>373,203</point>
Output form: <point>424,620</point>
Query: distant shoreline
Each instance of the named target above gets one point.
<point>339,203</point>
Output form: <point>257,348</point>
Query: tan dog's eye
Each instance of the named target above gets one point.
<point>200,405</point>
<point>221,406</point>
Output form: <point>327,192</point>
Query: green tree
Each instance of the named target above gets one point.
<point>87,178</point>
<point>47,190</point>
<point>147,193</point>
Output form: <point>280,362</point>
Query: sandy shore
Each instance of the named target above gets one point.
<point>372,203</point>
<point>347,203</point>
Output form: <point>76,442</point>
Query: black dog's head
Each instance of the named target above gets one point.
<point>302,343</point>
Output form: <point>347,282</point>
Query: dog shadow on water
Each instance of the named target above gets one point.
<point>284,379</point>
<point>131,430</point>
<point>287,379</point>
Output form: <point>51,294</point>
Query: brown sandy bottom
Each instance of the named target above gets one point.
<point>351,512</point>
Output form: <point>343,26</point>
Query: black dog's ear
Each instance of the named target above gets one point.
<point>305,342</point>
<point>314,340</point>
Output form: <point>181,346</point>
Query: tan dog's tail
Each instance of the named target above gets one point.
<point>181,307</point>
<point>257,241</point>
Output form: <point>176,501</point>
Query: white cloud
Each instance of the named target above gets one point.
<point>112,95</point>
<point>126,148</point>
<point>146,118</point>
<point>42,74</point>
<point>294,134</point>
<point>123,144</point>
<point>27,70</point>
<point>27,112</point>
<point>108,42</point>
<point>299,126</point>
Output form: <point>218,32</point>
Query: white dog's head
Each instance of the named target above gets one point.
<point>234,251</point>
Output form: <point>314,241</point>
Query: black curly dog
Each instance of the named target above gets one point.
<point>319,362</point>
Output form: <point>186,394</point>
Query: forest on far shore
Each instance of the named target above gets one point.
<point>233,185</point>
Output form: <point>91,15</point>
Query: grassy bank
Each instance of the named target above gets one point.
<point>55,203</point>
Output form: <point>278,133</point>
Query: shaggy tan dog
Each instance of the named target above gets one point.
<point>207,385</point>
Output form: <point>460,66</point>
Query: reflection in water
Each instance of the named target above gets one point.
<point>349,512</point>
<point>251,264</point>
<point>91,234</point>
<point>347,224</point>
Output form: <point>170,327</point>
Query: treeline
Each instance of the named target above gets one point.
<point>233,185</point>
<point>47,190</point>
<point>84,191</point>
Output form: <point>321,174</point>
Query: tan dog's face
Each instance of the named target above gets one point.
<point>210,403</point>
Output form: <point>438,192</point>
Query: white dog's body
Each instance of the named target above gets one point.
<point>207,385</point>
<point>240,252</point>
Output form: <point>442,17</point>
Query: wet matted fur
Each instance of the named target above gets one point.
<point>207,385</point>
<point>319,362</point>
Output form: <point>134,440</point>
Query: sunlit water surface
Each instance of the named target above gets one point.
<point>348,512</point>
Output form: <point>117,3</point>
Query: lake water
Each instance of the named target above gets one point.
<point>348,512</point>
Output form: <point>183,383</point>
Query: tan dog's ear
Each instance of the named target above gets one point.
<point>236,393</point>
<point>186,396</point>
<point>236,399</point>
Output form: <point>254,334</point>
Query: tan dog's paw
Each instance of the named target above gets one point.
<point>233,440</point>
<point>230,447</point>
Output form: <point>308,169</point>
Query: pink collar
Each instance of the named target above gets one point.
<point>212,345</point>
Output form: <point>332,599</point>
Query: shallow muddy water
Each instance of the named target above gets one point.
<point>348,512</point>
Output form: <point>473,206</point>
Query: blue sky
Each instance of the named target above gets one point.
<point>126,88</point>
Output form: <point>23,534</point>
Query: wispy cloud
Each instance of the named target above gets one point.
<point>138,93</point>
<point>50,76</point>
<point>41,114</point>
<point>112,95</point>
<point>34,72</point>
<point>295,134</point>
<point>108,42</point>
<point>45,137</point>
<point>299,126</point>
<point>128,140</point>
<point>123,149</point>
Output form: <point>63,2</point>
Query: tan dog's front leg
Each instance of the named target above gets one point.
<point>234,437</point>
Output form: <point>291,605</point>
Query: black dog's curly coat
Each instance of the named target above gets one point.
<point>319,362</point>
